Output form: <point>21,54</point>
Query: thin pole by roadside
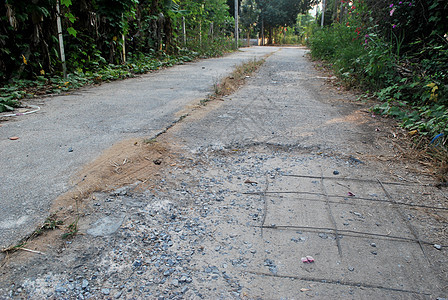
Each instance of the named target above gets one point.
<point>323,14</point>
<point>184,32</point>
<point>236,24</point>
<point>61,39</point>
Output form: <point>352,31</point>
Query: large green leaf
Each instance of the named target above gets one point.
<point>67,3</point>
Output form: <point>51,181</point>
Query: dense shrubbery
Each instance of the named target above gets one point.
<point>397,50</point>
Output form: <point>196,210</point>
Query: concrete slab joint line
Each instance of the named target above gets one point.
<point>406,220</point>
<point>330,213</point>
<point>351,233</point>
<point>359,179</point>
<point>355,197</point>
<point>265,204</point>
<point>339,282</point>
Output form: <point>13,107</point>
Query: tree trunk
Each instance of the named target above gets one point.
<point>335,10</point>
<point>341,15</point>
<point>262,32</point>
<point>270,41</point>
<point>210,32</point>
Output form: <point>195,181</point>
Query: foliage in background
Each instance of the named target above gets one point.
<point>248,17</point>
<point>303,26</point>
<point>275,14</point>
<point>397,50</point>
<point>104,40</point>
<point>209,27</point>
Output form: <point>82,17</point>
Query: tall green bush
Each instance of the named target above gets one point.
<point>397,49</point>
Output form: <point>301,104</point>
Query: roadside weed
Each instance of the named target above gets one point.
<point>72,229</point>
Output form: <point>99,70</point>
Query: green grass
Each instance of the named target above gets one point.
<point>72,229</point>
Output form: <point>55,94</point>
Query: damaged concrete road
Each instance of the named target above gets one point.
<point>70,131</point>
<point>235,195</point>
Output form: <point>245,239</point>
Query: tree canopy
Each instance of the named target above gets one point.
<point>282,12</point>
<point>276,13</point>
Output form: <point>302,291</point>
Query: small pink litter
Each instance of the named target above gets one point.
<point>351,194</point>
<point>307,259</point>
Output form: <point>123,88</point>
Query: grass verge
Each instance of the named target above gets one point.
<point>12,93</point>
<point>235,80</point>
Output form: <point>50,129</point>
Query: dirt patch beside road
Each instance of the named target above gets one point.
<point>126,162</point>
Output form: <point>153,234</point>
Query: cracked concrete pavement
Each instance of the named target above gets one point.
<point>286,168</point>
<point>72,130</point>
